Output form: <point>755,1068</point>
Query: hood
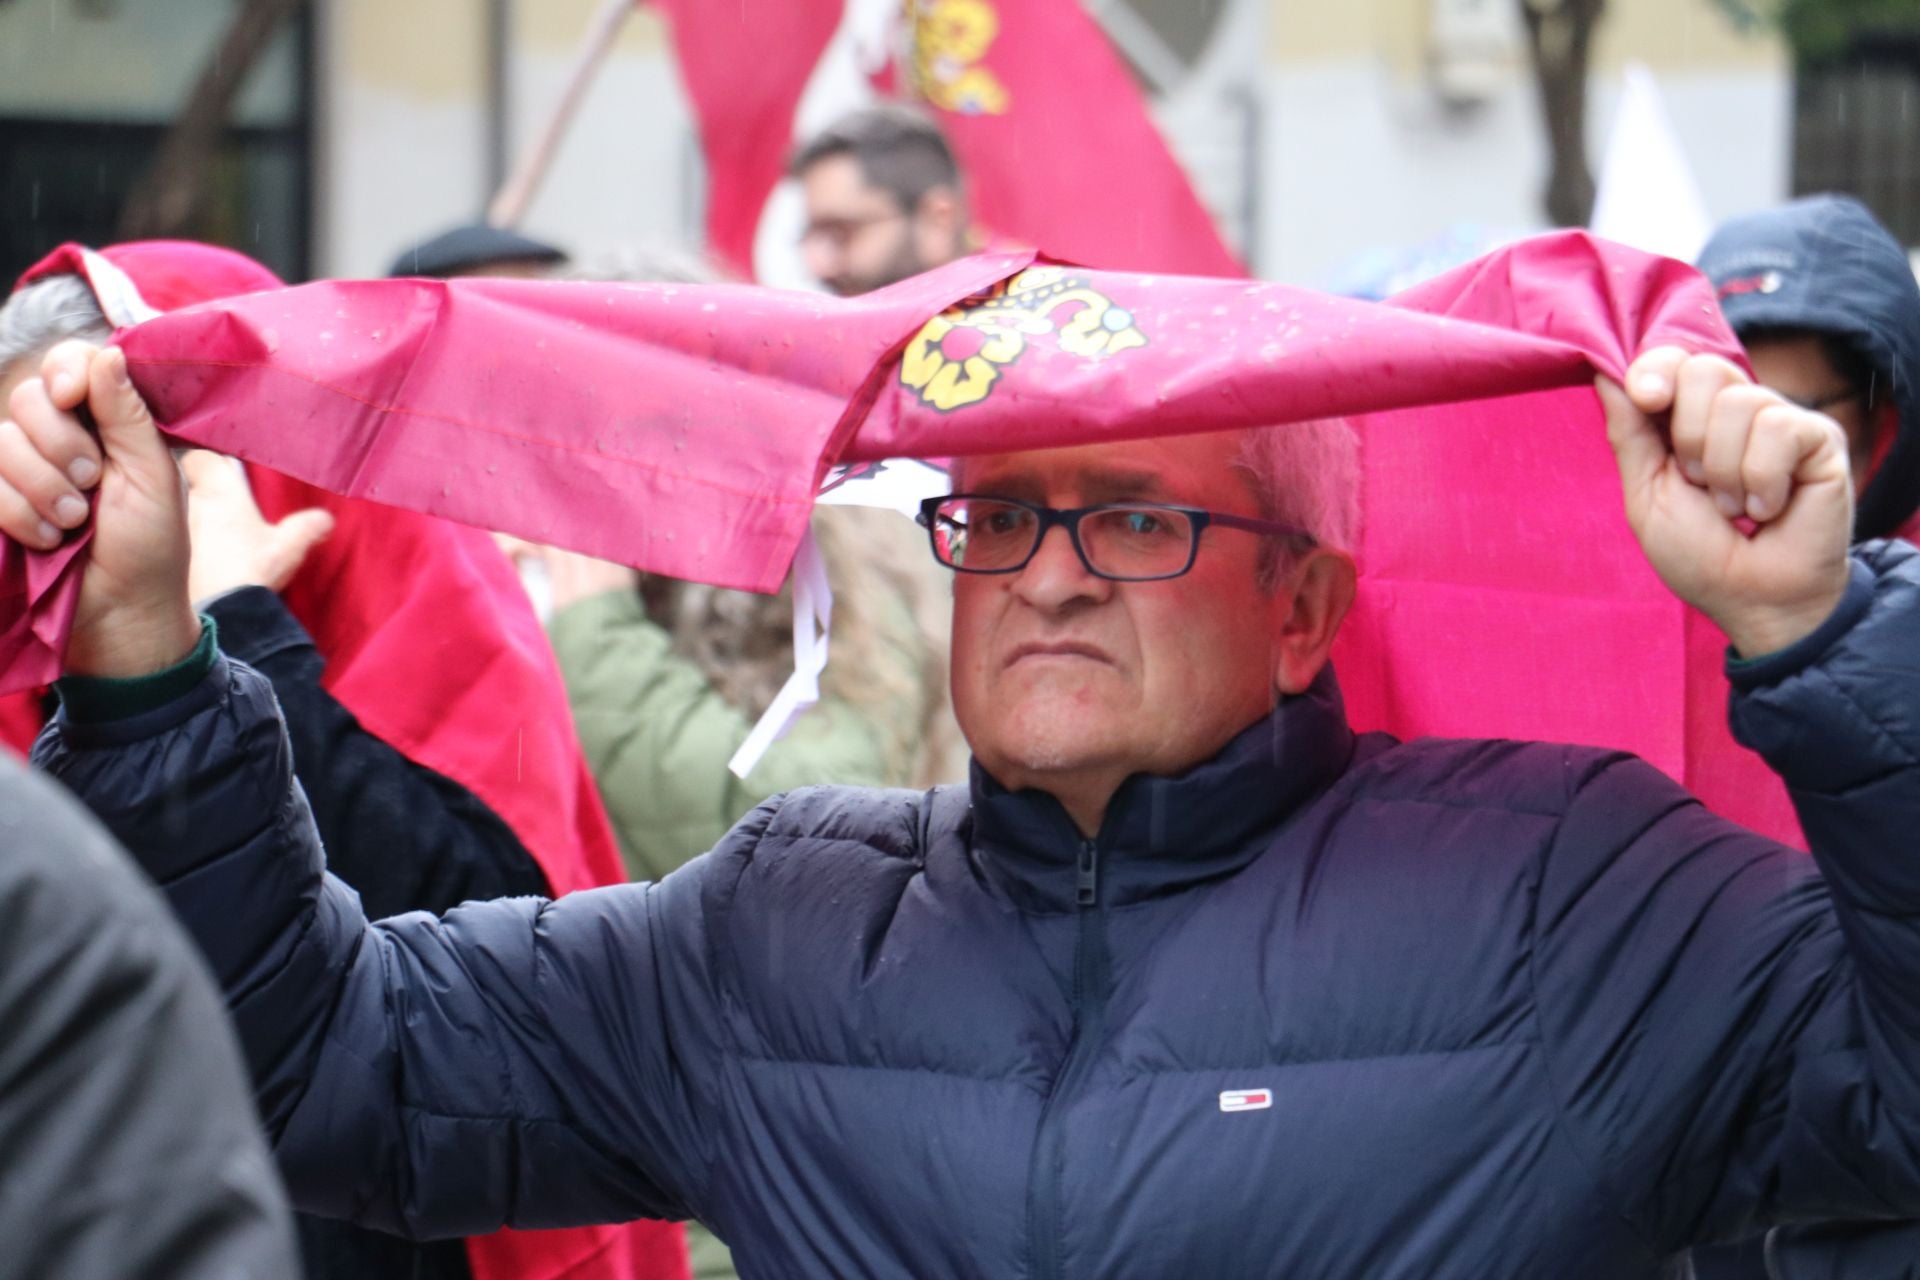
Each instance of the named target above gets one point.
<point>1824,264</point>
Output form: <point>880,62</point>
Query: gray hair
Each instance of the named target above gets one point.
<point>644,264</point>
<point>47,312</point>
<point>1305,474</point>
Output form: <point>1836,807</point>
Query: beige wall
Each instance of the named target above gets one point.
<point>1683,35</point>
<point>404,114</point>
<point>554,27</point>
<point>427,50</point>
<point>1357,150</point>
<point>623,175</point>
<point>1312,31</point>
<point>1350,80</point>
<point>1665,34</point>
<point>402,126</point>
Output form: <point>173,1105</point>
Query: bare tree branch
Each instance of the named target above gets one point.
<point>170,193</point>
<point>1560,39</point>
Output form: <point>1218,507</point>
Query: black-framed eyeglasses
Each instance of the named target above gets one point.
<point>840,233</point>
<point>1121,541</point>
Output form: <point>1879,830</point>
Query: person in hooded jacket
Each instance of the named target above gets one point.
<point>391,640</point>
<point>1825,302</point>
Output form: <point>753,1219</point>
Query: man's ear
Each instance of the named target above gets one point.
<point>1309,605</point>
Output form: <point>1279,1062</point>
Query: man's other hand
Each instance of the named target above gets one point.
<point>1743,503</point>
<point>233,544</point>
<point>134,616</point>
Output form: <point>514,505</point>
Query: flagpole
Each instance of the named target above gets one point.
<point>516,194</point>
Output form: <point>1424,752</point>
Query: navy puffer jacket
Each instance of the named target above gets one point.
<point>1324,1007</point>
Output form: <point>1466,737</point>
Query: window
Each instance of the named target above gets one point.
<point>1198,61</point>
<point>1162,40</point>
<point>87,89</point>
<point>1857,129</point>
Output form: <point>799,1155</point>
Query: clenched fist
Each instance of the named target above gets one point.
<point>134,615</point>
<point>1743,504</point>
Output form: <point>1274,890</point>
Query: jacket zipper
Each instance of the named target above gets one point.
<point>1091,978</point>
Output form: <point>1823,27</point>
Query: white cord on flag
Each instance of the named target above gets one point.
<point>119,298</point>
<point>895,485</point>
<point>812,621</point>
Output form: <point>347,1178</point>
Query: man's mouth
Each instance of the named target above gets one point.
<point>1058,650</point>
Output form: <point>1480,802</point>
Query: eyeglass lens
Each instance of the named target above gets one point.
<point>1120,542</point>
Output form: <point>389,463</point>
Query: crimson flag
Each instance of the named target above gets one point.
<point>745,65</point>
<point>1051,132</point>
<point>1054,138</point>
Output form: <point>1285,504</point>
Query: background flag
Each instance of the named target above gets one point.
<point>1054,137</point>
<point>1052,134</point>
<point>745,65</point>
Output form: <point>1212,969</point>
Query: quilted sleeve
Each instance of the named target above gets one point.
<point>517,1062</point>
<point>1732,1028</point>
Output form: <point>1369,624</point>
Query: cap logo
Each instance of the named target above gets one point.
<point>1766,282</point>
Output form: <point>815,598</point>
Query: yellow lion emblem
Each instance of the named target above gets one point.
<point>957,356</point>
<point>949,38</point>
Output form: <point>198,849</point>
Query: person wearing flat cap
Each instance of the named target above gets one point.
<point>477,249</point>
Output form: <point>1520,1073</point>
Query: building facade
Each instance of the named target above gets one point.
<point>1318,133</point>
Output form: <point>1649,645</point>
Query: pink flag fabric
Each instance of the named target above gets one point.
<point>684,429</point>
<point>430,642</point>
<point>1054,136</point>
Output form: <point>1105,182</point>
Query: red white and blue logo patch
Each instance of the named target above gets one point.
<point>1246,1099</point>
<point>1766,282</point>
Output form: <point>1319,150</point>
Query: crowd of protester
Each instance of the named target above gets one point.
<point>733,1046</point>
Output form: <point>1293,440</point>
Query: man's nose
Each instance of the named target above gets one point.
<point>1056,577</point>
<point>822,259</point>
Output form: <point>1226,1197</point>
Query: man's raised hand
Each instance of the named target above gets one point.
<point>1732,450</point>
<point>233,544</point>
<point>134,615</point>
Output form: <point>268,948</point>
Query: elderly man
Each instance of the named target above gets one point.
<point>1191,981</point>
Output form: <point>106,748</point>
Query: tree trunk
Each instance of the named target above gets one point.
<point>1560,39</point>
<point>168,196</point>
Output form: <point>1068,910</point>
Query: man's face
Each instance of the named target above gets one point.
<point>858,237</point>
<point>1798,368</point>
<point>1070,683</point>
<point>506,269</point>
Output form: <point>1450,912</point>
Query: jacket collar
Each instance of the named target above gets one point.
<point>1162,834</point>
